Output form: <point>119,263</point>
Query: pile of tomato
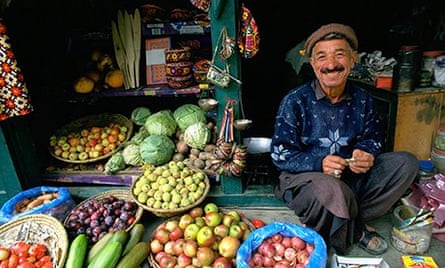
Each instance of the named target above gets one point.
<point>25,255</point>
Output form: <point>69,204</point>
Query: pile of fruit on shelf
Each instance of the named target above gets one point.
<point>101,73</point>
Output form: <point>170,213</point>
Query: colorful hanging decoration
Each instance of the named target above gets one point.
<point>14,97</point>
<point>249,36</point>
<point>230,157</point>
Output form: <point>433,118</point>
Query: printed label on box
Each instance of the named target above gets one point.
<point>413,261</point>
<point>155,59</point>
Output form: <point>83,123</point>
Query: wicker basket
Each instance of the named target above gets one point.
<point>151,257</point>
<point>99,120</point>
<point>172,212</point>
<point>38,228</point>
<point>121,194</point>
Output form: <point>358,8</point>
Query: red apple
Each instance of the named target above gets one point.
<point>212,218</point>
<point>162,235</point>
<point>191,231</point>
<point>205,237</point>
<point>156,246</point>
<point>211,207</point>
<point>168,247</point>
<point>167,261</point>
<point>228,246</point>
<point>184,260</point>
<point>190,248</point>
<point>178,247</point>
<point>222,262</point>
<point>236,231</point>
<point>171,224</point>
<point>159,256</point>
<point>176,233</point>
<point>185,220</point>
<point>205,256</point>
<point>221,230</point>
<point>196,212</point>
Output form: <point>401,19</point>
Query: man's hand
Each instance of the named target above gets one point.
<point>361,161</point>
<point>334,165</point>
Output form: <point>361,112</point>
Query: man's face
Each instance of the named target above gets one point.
<point>332,61</point>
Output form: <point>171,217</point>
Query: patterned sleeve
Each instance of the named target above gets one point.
<point>286,147</point>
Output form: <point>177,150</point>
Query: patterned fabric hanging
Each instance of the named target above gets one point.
<point>249,37</point>
<point>14,97</point>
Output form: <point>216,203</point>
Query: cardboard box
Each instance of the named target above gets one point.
<point>412,261</point>
<point>155,59</point>
<point>338,261</point>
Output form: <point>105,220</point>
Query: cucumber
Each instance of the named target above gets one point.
<point>100,244</point>
<point>134,258</point>
<point>108,257</point>
<point>136,234</point>
<point>120,236</point>
<point>77,252</point>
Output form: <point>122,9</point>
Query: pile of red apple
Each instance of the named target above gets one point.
<point>202,237</point>
<point>279,251</point>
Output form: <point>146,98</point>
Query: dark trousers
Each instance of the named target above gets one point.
<point>338,208</point>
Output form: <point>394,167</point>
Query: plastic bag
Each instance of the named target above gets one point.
<point>317,259</point>
<point>58,207</point>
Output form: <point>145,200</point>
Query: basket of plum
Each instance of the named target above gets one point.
<point>282,244</point>
<point>102,213</point>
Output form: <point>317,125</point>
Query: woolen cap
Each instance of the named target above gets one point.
<point>324,30</point>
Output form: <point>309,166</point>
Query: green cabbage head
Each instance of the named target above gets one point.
<point>197,135</point>
<point>157,149</point>
<point>188,114</point>
<point>161,123</point>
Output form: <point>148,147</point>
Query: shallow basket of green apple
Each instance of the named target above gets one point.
<point>170,189</point>
<point>204,236</point>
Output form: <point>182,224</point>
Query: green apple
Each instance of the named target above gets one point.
<point>205,237</point>
<point>191,231</point>
<point>235,215</point>
<point>236,231</point>
<point>211,207</point>
<point>213,218</point>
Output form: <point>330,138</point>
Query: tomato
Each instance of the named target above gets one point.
<point>258,223</point>
<point>37,250</point>
<point>47,265</point>
<point>20,248</point>
<point>13,261</point>
<point>4,264</point>
<point>26,265</point>
<point>45,259</point>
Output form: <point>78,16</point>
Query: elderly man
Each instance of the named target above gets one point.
<point>327,144</point>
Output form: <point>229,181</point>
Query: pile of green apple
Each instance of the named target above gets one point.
<point>203,237</point>
<point>169,186</point>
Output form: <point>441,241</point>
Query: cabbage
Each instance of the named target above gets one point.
<point>139,115</point>
<point>157,149</point>
<point>114,164</point>
<point>188,114</point>
<point>161,123</point>
<point>131,155</point>
<point>140,135</point>
<point>197,135</point>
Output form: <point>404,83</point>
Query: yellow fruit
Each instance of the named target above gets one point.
<point>83,85</point>
<point>114,78</point>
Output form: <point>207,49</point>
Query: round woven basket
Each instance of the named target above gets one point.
<point>99,120</point>
<point>151,257</point>
<point>172,212</point>
<point>119,193</point>
<point>38,228</point>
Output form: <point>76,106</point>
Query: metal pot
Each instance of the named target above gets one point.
<point>257,145</point>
